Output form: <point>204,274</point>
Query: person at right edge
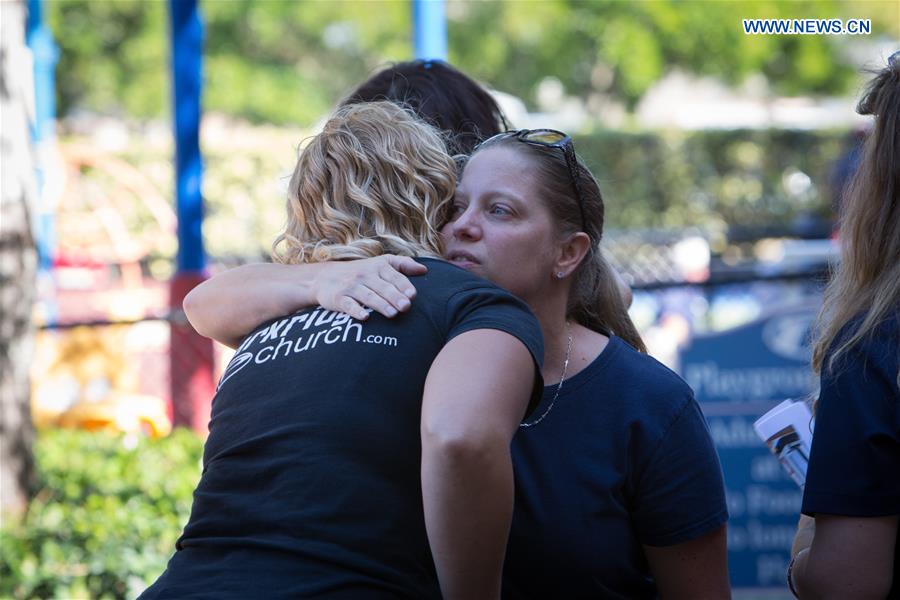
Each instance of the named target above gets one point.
<point>847,544</point>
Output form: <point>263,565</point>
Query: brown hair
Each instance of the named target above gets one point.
<point>462,109</point>
<point>866,283</point>
<point>374,181</point>
<point>595,300</point>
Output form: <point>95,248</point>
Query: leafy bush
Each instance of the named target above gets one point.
<point>105,518</point>
<point>283,61</point>
<point>713,179</point>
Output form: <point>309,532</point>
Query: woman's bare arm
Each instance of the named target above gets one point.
<point>475,396</point>
<point>230,305</point>
<point>851,558</point>
<point>693,570</point>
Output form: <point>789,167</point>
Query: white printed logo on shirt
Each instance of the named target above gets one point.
<point>308,330</point>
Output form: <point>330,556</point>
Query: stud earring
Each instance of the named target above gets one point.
<point>559,274</point>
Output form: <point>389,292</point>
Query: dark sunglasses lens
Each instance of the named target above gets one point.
<point>544,136</point>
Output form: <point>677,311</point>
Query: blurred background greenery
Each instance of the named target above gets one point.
<point>290,61</point>
<point>105,517</point>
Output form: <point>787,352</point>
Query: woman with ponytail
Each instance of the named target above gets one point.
<point>619,492</point>
<point>848,545</point>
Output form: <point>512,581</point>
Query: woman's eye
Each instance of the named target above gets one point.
<point>456,210</point>
<point>499,209</point>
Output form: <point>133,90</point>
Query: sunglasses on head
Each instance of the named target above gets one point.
<point>548,138</point>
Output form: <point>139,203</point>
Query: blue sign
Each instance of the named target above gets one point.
<point>738,375</point>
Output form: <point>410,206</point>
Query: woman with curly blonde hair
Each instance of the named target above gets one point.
<point>365,459</point>
<point>848,545</point>
<point>343,206</point>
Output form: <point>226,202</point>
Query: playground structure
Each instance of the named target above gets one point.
<point>109,377</point>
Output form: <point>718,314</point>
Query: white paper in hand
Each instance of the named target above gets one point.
<point>787,431</point>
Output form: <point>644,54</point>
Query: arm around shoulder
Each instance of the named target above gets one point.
<point>231,304</point>
<point>476,394</point>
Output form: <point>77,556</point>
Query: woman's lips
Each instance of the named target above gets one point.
<point>462,259</point>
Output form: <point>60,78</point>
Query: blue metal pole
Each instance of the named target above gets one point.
<point>191,356</point>
<point>43,130</point>
<point>187,71</point>
<point>430,29</point>
<point>45,54</point>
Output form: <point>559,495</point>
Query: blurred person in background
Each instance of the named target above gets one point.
<point>619,493</point>
<point>619,489</point>
<point>365,460</point>
<point>847,541</point>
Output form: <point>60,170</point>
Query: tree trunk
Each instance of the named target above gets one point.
<point>18,260</point>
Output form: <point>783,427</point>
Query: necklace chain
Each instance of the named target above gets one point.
<point>561,379</point>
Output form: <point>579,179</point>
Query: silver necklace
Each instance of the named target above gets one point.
<point>561,379</point>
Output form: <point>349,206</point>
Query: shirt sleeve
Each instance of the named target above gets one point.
<point>489,307</point>
<point>854,465</point>
<point>681,494</point>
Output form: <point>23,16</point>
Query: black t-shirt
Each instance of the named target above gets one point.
<point>854,463</point>
<point>623,459</point>
<point>311,472</point>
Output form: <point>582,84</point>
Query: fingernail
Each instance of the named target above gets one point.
<point>404,303</point>
<point>391,312</point>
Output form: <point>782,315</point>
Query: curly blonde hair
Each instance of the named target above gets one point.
<point>376,180</point>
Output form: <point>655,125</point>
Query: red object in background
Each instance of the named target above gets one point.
<point>191,361</point>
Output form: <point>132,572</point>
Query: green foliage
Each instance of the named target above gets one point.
<point>711,178</point>
<point>245,190</point>
<point>514,45</point>
<point>105,519</point>
<point>114,56</point>
<point>280,61</point>
<point>290,61</point>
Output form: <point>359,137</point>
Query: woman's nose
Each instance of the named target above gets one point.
<point>466,226</point>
